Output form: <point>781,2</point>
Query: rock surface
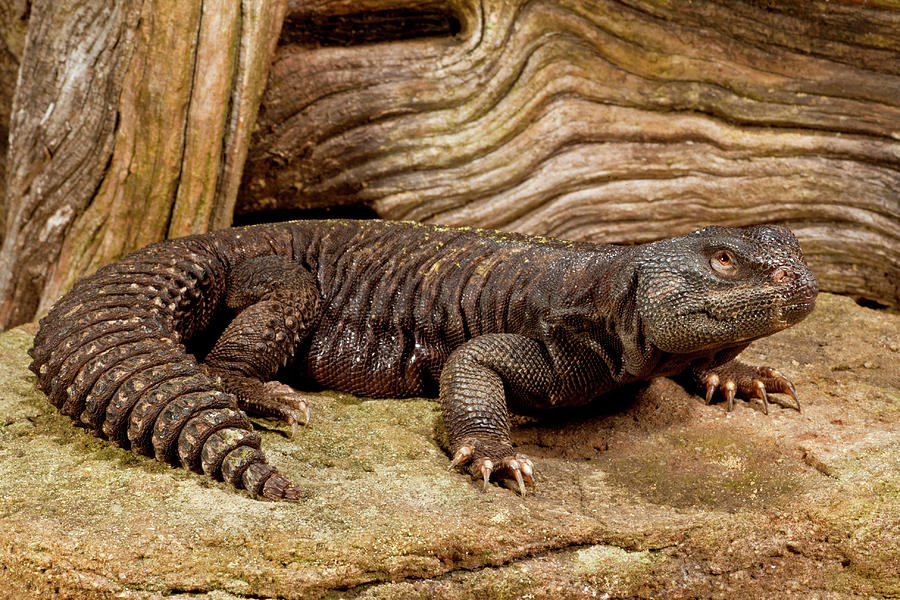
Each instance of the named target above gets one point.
<point>653,494</point>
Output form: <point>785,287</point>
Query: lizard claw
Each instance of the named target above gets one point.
<point>462,456</point>
<point>306,414</point>
<point>518,473</point>
<point>712,384</point>
<point>292,416</point>
<point>486,468</point>
<point>730,389</point>
<point>761,392</point>
<point>527,470</point>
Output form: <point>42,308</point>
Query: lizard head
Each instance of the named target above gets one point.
<point>720,287</point>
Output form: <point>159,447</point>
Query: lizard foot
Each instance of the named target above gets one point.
<point>283,402</point>
<point>745,381</point>
<point>505,466</point>
<point>269,399</point>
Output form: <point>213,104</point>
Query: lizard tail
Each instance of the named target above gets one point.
<point>109,354</point>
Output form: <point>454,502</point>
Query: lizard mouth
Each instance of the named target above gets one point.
<point>800,304</point>
<point>797,311</point>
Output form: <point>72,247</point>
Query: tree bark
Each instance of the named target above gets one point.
<point>603,120</point>
<point>13,25</point>
<point>130,123</point>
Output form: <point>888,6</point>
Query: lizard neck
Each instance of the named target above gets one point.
<point>597,310</point>
<point>625,329</point>
<point>593,319</point>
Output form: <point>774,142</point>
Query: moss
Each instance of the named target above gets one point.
<point>603,563</point>
<point>864,522</point>
<point>720,469</point>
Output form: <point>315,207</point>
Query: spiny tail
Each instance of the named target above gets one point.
<point>109,355</point>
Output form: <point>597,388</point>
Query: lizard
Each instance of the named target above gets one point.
<point>167,350</point>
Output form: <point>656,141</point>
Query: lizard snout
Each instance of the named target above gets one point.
<point>792,276</point>
<point>789,274</point>
<point>799,289</point>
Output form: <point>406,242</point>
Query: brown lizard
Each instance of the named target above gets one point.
<point>164,350</point>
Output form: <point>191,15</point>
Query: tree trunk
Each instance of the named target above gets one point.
<point>13,23</point>
<point>130,123</point>
<point>601,120</point>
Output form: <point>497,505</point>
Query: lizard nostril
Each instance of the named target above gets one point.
<point>779,274</point>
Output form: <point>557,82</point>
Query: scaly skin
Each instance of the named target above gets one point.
<point>164,350</point>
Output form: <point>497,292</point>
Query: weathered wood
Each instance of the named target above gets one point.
<point>130,123</point>
<point>13,24</point>
<point>60,136</point>
<point>602,120</point>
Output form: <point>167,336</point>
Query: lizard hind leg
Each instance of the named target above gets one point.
<point>736,379</point>
<point>276,301</point>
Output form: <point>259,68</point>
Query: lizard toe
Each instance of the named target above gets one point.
<point>769,381</point>
<point>760,392</point>
<point>711,381</point>
<point>521,468</point>
<point>485,467</point>
<point>776,382</point>
<point>462,456</point>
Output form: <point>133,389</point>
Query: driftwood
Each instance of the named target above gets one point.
<point>584,119</point>
<point>130,123</point>
<point>600,120</point>
<point>13,24</point>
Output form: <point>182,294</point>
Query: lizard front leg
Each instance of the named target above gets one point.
<point>478,381</point>
<point>275,301</point>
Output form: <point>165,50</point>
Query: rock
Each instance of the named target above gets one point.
<point>652,494</point>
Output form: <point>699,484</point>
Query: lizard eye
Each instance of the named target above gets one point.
<point>722,262</point>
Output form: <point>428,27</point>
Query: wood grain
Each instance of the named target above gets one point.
<point>130,123</point>
<point>602,120</point>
